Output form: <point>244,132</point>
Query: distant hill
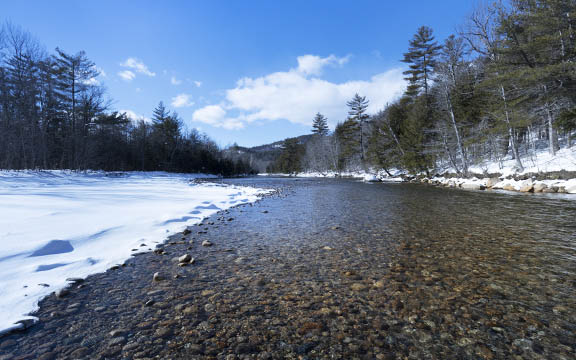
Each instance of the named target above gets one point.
<point>259,157</point>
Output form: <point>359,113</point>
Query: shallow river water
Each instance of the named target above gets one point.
<point>336,269</point>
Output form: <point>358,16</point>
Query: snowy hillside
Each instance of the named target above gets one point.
<point>55,225</point>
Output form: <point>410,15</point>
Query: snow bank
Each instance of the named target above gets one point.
<point>545,186</point>
<point>541,162</point>
<point>55,225</point>
<point>368,176</point>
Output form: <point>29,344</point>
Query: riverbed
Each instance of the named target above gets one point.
<point>335,269</point>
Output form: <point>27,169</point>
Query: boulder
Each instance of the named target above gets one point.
<point>490,182</point>
<point>540,187</point>
<point>526,186</point>
<point>472,186</point>
<point>509,187</point>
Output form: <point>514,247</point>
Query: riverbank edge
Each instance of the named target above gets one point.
<point>526,183</point>
<point>30,320</point>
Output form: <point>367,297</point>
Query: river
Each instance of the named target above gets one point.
<point>338,269</point>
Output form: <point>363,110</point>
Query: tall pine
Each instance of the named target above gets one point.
<point>357,113</point>
<point>421,57</point>
<point>320,125</point>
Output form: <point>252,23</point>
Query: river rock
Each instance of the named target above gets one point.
<point>117,332</point>
<point>491,182</point>
<point>117,341</point>
<point>62,293</point>
<point>185,258</point>
<point>75,280</point>
<point>358,287</point>
<point>526,186</point>
<point>157,277</point>
<point>206,243</point>
<point>472,186</point>
<point>509,187</point>
<point>80,353</point>
<point>540,187</point>
<point>163,332</point>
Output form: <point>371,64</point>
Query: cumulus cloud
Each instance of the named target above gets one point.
<point>215,115</point>
<point>182,100</point>
<point>138,66</point>
<point>297,94</point>
<point>134,117</point>
<point>313,64</point>
<point>127,75</point>
<point>175,81</point>
<point>198,83</point>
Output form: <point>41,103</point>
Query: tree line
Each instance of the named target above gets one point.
<point>54,114</point>
<point>503,87</point>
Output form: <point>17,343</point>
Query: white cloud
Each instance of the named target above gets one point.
<point>296,95</point>
<point>138,66</point>
<point>215,115</point>
<point>313,64</point>
<point>182,100</point>
<point>198,83</point>
<point>175,81</point>
<point>127,75</point>
<point>135,117</point>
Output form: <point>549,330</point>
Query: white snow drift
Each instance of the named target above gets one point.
<point>55,225</point>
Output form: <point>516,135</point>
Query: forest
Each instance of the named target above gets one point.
<point>54,114</point>
<point>503,86</point>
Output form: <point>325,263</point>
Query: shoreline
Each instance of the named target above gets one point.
<point>549,183</point>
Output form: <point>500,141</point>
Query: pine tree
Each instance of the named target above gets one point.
<point>166,133</point>
<point>357,113</point>
<point>421,56</point>
<point>320,125</point>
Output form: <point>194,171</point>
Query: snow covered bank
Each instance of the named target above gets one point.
<point>540,162</point>
<point>56,225</point>
<point>505,175</point>
<point>369,176</point>
<point>529,185</point>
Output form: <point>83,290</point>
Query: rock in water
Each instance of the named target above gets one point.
<point>62,292</point>
<point>185,258</point>
<point>157,277</point>
<point>206,243</point>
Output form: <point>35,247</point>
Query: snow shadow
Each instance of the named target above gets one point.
<point>54,247</point>
<point>48,267</point>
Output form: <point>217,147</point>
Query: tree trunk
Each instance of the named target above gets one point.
<point>457,132</point>
<point>511,131</point>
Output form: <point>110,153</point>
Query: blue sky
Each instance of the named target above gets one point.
<point>250,72</point>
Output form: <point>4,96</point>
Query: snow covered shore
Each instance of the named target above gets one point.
<point>499,174</point>
<point>56,225</point>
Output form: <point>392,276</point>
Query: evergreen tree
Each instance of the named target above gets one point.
<point>357,113</point>
<point>421,57</point>
<point>166,129</point>
<point>320,125</point>
<point>346,134</point>
<point>289,161</point>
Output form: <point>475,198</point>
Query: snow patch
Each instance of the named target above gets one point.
<point>59,224</point>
